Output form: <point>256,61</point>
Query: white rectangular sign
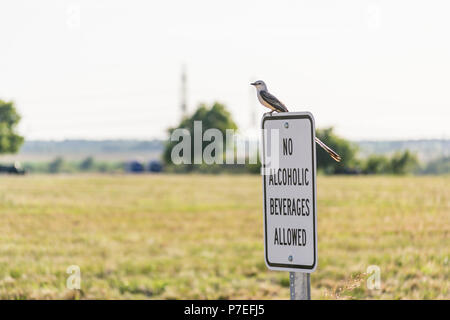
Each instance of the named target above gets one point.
<point>289,189</point>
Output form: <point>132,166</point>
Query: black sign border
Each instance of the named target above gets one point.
<point>283,265</point>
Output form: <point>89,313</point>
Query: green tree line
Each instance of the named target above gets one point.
<point>218,117</point>
<point>87,165</point>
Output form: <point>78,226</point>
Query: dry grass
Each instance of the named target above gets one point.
<point>201,237</point>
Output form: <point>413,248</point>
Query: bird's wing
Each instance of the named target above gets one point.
<point>273,101</point>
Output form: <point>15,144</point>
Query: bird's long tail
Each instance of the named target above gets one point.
<point>330,151</point>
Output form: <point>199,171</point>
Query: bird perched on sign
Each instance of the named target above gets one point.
<point>268,100</point>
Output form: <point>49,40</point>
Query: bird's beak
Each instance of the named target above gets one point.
<point>253,83</point>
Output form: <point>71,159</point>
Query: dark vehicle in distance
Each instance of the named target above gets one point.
<point>11,169</point>
<point>155,166</point>
<point>135,167</point>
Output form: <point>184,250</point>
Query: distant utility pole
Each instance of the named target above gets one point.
<point>183,92</point>
<point>252,108</point>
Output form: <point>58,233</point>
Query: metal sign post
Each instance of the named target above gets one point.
<point>300,285</point>
<point>289,189</point>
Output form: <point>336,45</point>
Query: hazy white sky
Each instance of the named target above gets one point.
<point>111,68</point>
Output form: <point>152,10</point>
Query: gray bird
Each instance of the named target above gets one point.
<point>268,100</point>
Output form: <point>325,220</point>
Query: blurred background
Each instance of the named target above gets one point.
<point>91,90</point>
<point>79,71</point>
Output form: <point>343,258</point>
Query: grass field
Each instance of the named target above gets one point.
<point>195,237</point>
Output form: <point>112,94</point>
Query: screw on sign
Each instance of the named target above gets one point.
<point>289,189</point>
